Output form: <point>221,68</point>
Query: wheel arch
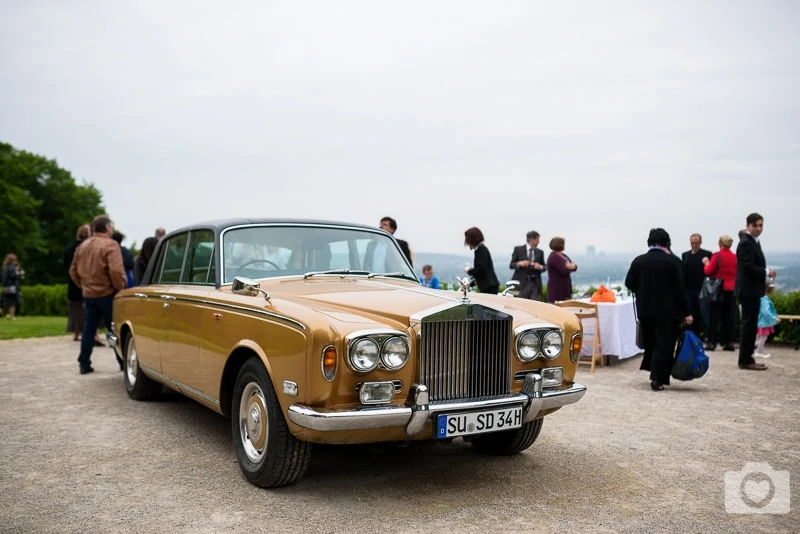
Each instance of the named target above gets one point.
<point>240,354</point>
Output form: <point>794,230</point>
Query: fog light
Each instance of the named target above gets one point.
<point>376,392</point>
<point>552,376</point>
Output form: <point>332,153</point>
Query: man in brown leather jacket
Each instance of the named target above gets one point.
<point>97,269</point>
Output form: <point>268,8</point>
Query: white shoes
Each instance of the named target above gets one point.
<point>761,355</point>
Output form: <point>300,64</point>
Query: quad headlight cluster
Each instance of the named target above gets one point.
<point>387,350</point>
<point>539,343</point>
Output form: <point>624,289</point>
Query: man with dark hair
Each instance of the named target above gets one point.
<point>98,270</point>
<point>751,285</point>
<point>390,225</point>
<point>656,280</point>
<point>127,256</point>
<point>527,262</point>
<point>693,276</point>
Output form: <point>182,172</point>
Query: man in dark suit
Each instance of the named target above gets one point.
<point>390,225</point>
<point>693,276</point>
<point>751,285</point>
<point>656,280</point>
<point>527,262</point>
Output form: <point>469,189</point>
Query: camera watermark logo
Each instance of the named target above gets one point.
<point>757,489</point>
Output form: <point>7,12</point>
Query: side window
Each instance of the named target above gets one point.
<point>199,257</point>
<point>173,260</point>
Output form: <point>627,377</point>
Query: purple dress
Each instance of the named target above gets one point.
<point>559,281</point>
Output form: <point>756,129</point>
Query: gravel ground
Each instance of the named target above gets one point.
<point>79,456</point>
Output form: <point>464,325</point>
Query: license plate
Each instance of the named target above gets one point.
<point>468,423</point>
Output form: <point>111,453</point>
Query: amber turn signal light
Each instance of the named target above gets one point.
<point>329,362</point>
<point>575,347</point>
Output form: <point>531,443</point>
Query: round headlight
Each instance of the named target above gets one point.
<point>552,344</point>
<point>528,346</point>
<point>394,353</point>
<point>364,355</point>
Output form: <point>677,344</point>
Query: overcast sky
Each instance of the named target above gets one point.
<point>591,120</point>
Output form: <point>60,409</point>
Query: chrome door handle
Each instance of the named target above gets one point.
<point>168,297</point>
<point>140,295</point>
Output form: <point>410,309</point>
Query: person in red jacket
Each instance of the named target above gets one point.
<point>722,265</point>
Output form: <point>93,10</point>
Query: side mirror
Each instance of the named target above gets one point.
<point>247,286</point>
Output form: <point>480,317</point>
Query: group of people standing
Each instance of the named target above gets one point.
<point>528,264</point>
<point>667,292</point>
<point>98,267</point>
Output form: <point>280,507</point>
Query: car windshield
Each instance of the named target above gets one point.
<point>272,251</point>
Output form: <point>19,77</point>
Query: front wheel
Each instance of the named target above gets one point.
<point>268,455</point>
<point>137,384</point>
<point>509,442</point>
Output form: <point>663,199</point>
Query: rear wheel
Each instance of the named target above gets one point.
<point>268,455</point>
<point>138,386</point>
<point>509,441</point>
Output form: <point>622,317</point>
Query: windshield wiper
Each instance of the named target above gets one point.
<point>393,275</point>
<point>335,271</point>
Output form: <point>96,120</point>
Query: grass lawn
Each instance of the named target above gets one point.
<point>31,326</point>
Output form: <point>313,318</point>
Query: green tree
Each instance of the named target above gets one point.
<point>42,208</point>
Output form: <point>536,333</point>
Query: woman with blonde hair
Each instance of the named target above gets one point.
<point>75,317</point>
<point>722,266</point>
<point>12,285</point>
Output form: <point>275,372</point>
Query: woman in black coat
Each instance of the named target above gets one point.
<point>482,269</point>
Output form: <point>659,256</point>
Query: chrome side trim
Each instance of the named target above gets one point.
<point>416,414</point>
<point>242,308</point>
<point>180,385</point>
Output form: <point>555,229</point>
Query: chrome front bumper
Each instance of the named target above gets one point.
<point>113,341</point>
<point>414,416</point>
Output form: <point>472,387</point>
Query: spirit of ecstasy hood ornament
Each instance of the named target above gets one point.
<point>465,285</point>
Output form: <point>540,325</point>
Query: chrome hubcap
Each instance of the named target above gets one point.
<point>253,424</point>
<point>132,363</point>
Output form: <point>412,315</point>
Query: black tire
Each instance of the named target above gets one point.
<point>139,386</point>
<point>509,442</point>
<point>275,457</point>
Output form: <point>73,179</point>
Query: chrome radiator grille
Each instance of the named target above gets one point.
<point>468,358</point>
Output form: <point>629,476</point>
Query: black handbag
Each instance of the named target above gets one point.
<point>712,287</point>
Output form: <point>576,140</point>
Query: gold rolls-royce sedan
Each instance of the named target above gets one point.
<point>307,332</point>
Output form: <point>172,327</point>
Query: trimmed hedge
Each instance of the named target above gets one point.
<point>42,300</point>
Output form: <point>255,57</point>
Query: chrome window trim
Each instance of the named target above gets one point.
<point>227,229</point>
<point>189,244</point>
<point>180,385</point>
<point>183,259</point>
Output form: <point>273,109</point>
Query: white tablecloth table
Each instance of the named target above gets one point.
<point>617,329</point>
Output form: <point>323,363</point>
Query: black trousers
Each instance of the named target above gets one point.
<point>660,337</point>
<point>750,308</point>
<point>723,311</point>
<point>699,313</point>
<point>529,288</point>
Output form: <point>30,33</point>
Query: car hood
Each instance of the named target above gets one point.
<point>361,300</point>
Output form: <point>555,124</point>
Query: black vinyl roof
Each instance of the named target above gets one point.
<point>220,224</point>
